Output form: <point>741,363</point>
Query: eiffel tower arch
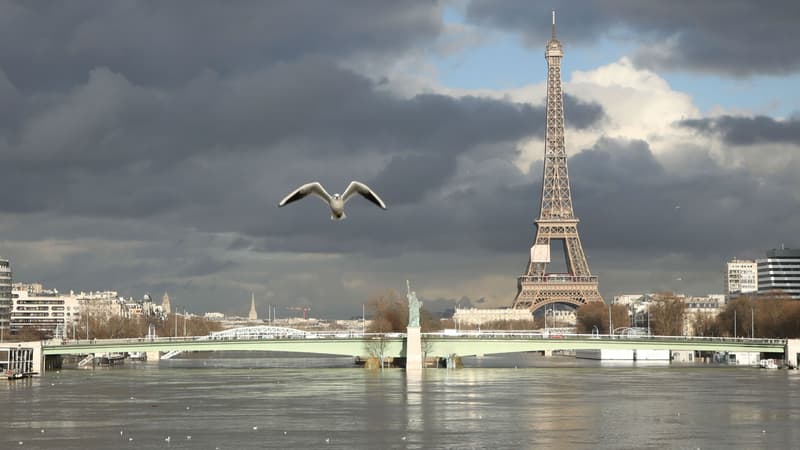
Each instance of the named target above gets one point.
<point>557,221</point>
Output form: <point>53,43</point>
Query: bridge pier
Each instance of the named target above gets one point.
<point>152,356</point>
<point>791,354</point>
<point>413,350</point>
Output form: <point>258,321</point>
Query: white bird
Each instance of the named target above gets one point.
<point>335,201</point>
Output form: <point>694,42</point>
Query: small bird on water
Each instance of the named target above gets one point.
<point>335,201</point>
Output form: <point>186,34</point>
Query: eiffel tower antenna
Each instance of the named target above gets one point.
<point>557,221</point>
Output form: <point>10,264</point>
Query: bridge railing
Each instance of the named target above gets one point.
<point>450,334</point>
<point>309,335</point>
<point>545,335</point>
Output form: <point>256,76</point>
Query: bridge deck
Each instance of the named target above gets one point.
<point>434,344</point>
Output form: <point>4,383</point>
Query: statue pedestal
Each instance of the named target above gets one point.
<point>413,350</point>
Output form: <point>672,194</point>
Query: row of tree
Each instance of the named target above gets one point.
<point>771,316</point>
<point>113,327</point>
<point>774,316</point>
<point>389,312</point>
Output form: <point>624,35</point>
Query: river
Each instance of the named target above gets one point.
<point>505,401</point>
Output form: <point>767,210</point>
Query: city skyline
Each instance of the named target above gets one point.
<point>147,146</point>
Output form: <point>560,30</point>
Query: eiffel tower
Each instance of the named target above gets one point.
<point>557,221</point>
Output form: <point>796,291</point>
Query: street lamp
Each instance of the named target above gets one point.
<point>752,324</point>
<point>610,327</point>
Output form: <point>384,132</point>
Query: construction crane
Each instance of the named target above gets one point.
<point>305,310</point>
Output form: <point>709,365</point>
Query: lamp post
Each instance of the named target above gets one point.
<point>752,324</point>
<point>184,322</point>
<point>610,326</point>
<point>363,319</point>
<point>176,322</point>
<point>734,324</point>
<point>545,319</point>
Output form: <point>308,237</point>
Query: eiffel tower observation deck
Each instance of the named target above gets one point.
<point>557,221</point>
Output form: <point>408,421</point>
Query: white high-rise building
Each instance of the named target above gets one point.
<point>741,278</point>
<point>5,296</point>
<point>780,272</point>
<point>44,310</point>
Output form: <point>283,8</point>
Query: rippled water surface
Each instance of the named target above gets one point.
<point>519,401</point>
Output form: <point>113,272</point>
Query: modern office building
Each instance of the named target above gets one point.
<point>5,296</point>
<point>741,278</point>
<point>779,272</point>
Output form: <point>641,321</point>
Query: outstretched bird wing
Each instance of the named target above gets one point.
<point>309,188</point>
<point>360,188</point>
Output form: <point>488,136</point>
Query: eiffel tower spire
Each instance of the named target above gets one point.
<point>557,221</point>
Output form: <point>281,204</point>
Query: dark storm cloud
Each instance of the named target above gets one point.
<point>626,199</point>
<point>47,45</point>
<point>206,266</point>
<point>739,38</point>
<point>748,130</point>
<point>111,147</point>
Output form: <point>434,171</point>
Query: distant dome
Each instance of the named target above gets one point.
<point>147,297</point>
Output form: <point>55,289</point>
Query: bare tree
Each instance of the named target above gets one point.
<point>667,315</point>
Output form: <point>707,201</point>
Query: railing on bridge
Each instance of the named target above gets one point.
<point>225,337</point>
<point>576,336</point>
<point>483,334</point>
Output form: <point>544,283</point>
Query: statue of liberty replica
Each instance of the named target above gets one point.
<point>413,336</point>
<point>413,306</point>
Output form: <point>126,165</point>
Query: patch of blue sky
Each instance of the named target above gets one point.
<point>775,96</point>
<point>501,62</point>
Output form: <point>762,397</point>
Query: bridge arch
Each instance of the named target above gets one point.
<point>257,332</point>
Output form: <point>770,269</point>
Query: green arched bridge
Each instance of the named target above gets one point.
<point>393,344</point>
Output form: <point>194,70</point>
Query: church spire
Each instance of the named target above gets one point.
<point>253,313</point>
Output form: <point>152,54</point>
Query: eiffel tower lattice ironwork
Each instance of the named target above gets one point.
<point>557,221</point>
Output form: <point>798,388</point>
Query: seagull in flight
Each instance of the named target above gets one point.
<point>335,201</point>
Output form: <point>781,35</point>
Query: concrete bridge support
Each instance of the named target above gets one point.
<point>791,353</point>
<point>413,351</point>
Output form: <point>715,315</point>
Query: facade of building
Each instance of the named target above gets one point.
<point>5,295</point>
<point>741,278</point>
<point>43,310</point>
<point>707,306</point>
<point>474,316</point>
<point>780,272</point>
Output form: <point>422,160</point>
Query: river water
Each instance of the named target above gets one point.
<point>507,401</point>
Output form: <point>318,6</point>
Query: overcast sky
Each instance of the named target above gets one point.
<point>144,145</point>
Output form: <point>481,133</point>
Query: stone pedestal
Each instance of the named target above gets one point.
<point>413,350</point>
